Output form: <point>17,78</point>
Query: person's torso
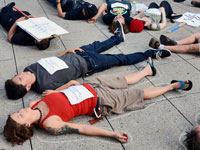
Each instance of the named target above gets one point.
<point>77,67</point>
<point>153,14</point>
<point>59,105</point>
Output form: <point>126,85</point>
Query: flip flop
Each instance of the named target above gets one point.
<point>152,67</point>
<point>183,84</point>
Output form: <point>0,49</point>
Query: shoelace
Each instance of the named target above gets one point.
<point>158,55</point>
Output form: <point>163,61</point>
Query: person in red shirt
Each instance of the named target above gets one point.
<point>107,93</point>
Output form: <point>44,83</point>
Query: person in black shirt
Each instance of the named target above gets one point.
<point>112,11</point>
<point>74,9</point>
<point>8,20</point>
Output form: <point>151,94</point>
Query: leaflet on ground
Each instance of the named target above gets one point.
<point>191,19</point>
<point>41,28</point>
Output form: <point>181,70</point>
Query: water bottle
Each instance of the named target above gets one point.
<point>134,7</point>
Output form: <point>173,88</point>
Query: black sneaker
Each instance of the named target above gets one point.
<point>8,7</point>
<point>120,31</point>
<point>154,43</point>
<point>159,53</point>
<point>167,41</point>
<point>163,53</point>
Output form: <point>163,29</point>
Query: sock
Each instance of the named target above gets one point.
<point>177,42</point>
<point>161,46</point>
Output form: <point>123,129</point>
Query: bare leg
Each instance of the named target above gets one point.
<point>135,77</point>
<point>190,40</point>
<point>191,48</point>
<point>153,92</point>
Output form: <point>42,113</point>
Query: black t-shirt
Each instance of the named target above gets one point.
<point>7,19</point>
<point>44,80</point>
<point>75,14</point>
<point>22,38</point>
<point>113,12</point>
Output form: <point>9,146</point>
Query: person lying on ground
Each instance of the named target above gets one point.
<point>195,3</point>
<point>105,95</point>
<point>192,140</point>
<point>154,18</point>
<point>74,9</point>
<point>81,62</point>
<point>112,11</point>
<point>9,19</point>
<point>190,44</point>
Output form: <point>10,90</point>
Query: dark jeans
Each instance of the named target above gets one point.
<point>100,62</point>
<point>166,5</point>
<point>8,17</point>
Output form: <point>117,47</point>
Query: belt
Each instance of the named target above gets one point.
<point>97,114</point>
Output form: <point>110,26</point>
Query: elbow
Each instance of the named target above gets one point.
<point>9,38</point>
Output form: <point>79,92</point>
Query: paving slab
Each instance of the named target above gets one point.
<point>158,126</point>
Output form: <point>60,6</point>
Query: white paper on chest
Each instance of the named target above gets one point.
<point>77,94</point>
<point>52,64</point>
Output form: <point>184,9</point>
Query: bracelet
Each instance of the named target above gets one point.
<point>58,3</point>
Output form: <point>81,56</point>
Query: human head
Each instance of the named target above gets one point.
<point>90,10</point>
<point>112,27</point>
<point>192,140</point>
<point>19,85</point>
<point>16,133</point>
<point>136,25</point>
<point>43,44</point>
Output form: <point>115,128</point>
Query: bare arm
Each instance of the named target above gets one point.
<point>59,10</point>
<point>12,30</point>
<point>101,10</point>
<point>70,83</point>
<point>140,12</point>
<point>60,127</point>
<point>70,51</point>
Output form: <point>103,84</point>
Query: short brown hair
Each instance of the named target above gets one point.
<point>191,141</point>
<point>16,133</point>
<point>112,27</point>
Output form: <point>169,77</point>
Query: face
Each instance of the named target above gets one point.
<point>120,18</point>
<point>22,116</point>
<point>24,78</point>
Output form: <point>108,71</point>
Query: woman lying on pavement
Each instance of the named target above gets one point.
<point>53,112</point>
<point>154,18</point>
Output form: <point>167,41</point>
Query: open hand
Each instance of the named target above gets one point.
<point>122,137</point>
<point>47,92</point>
<point>74,50</point>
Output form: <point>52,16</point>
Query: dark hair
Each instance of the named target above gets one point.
<point>14,91</point>
<point>44,44</point>
<point>112,27</point>
<point>16,133</point>
<point>191,141</point>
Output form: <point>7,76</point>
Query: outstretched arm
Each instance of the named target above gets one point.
<point>59,10</point>
<point>70,83</point>
<point>60,127</point>
<point>101,10</point>
<point>140,12</point>
<point>73,50</point>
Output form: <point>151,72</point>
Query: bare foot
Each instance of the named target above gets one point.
<point>148,68</point>
<point>177,85</point>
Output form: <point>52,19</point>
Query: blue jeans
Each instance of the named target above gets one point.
<point>53,2</point>
<point>100,62</point>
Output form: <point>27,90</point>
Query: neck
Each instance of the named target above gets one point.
<point>33,78</point>
<point>35,116</point>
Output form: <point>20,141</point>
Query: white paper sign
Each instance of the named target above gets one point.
<point>77,94</point>
<point>52,64</point>
<point>191,19</point>
<point>41,28</point>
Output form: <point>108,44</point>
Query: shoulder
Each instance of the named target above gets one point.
<point>33,102</point>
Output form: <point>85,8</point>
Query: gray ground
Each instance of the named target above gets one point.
<point>157,127</point>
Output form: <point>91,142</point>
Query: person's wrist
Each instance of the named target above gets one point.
<point>58,3</point>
